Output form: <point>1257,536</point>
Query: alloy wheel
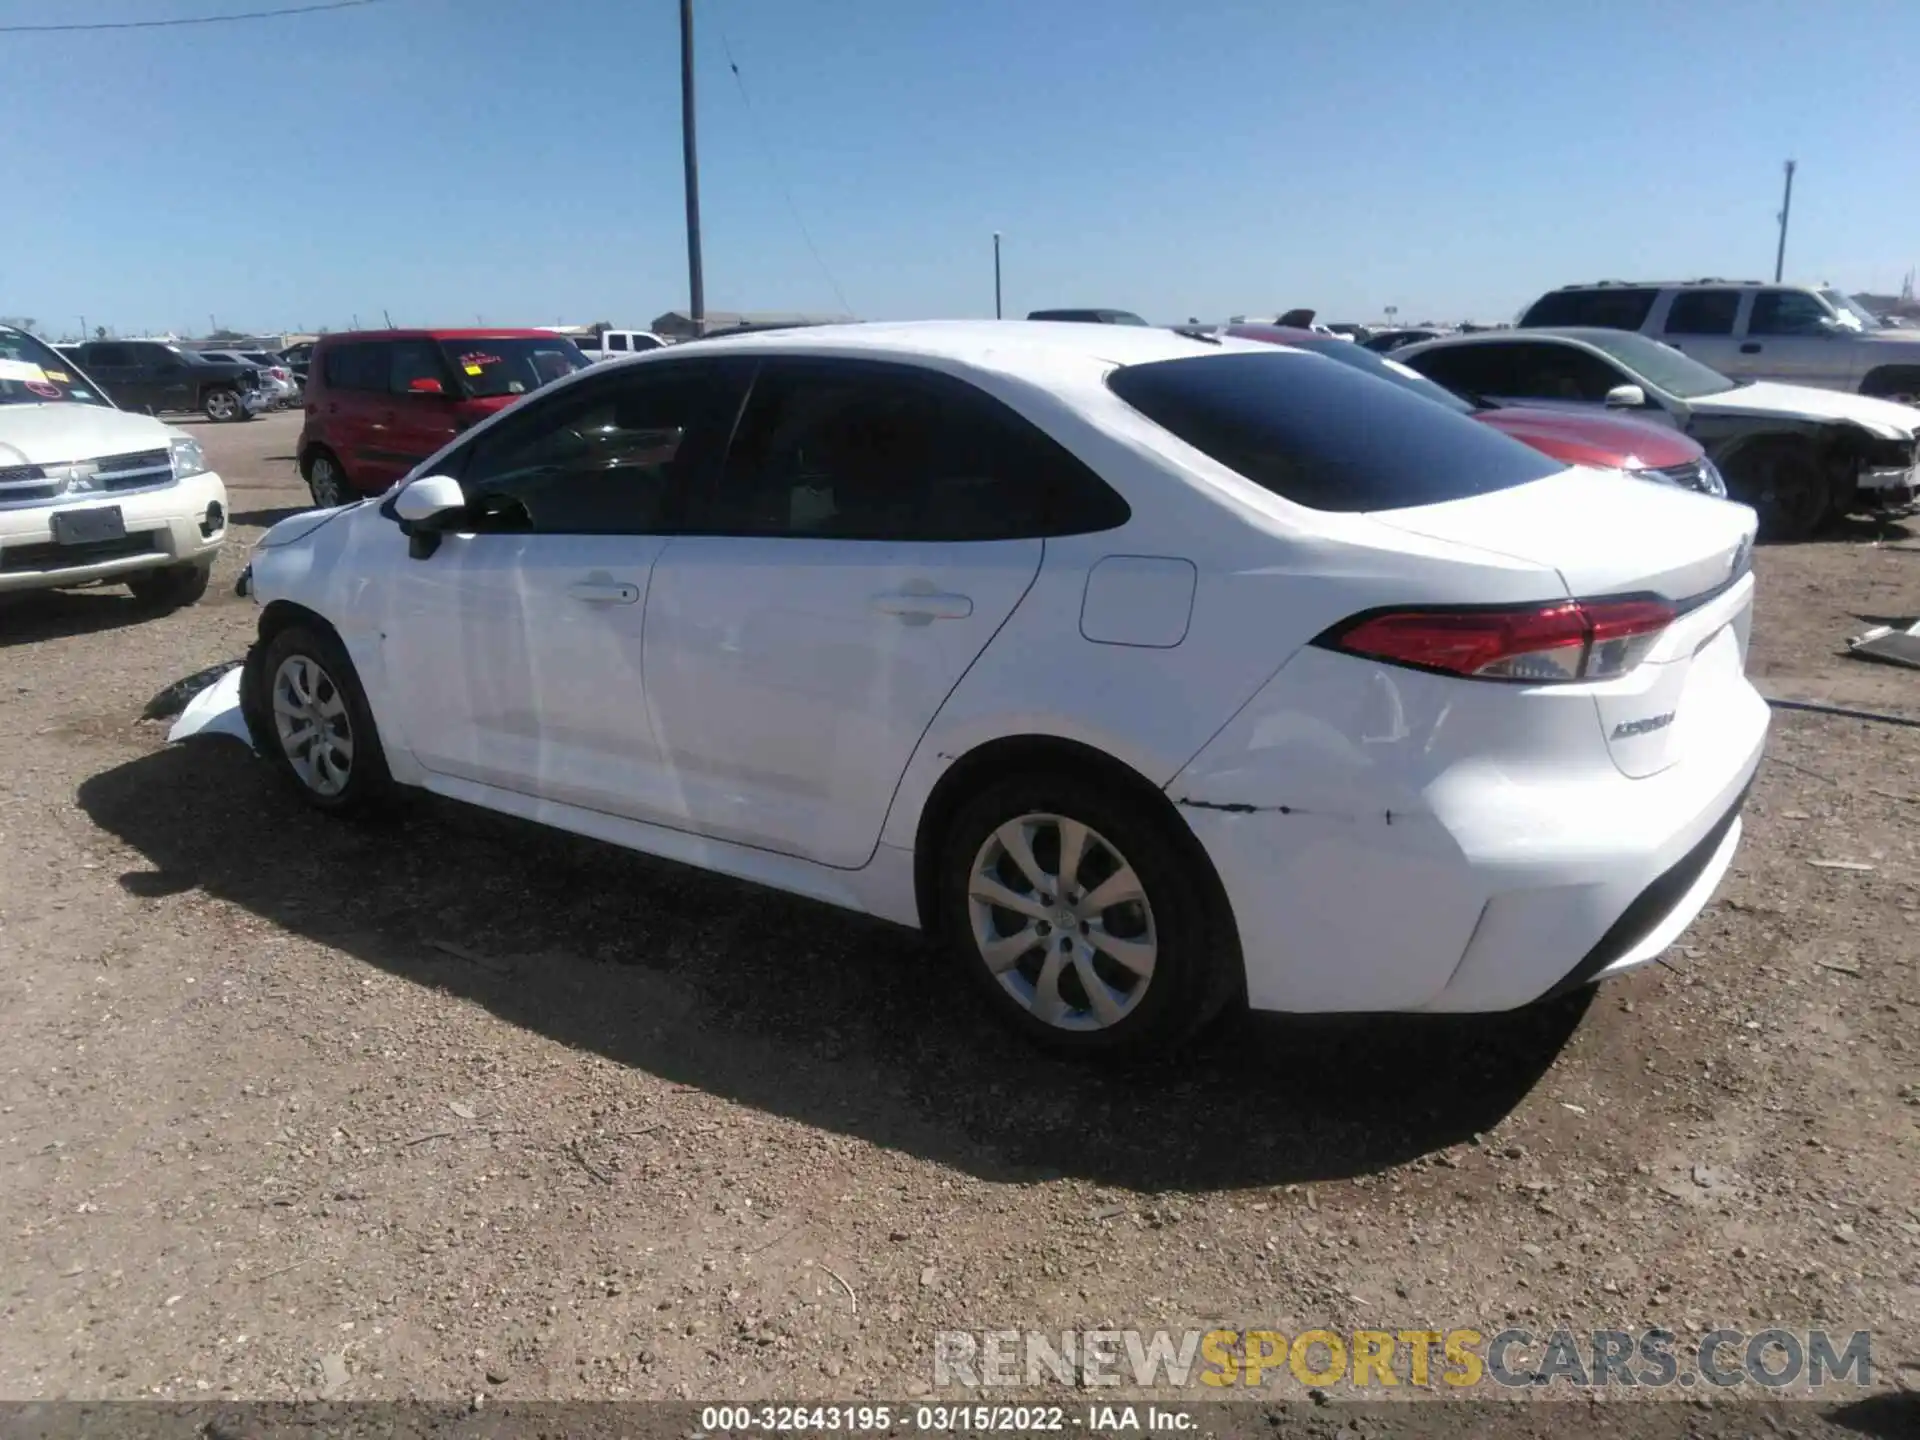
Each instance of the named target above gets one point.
<point>323,478</point>
<point>222,405</point>
<point>315,732</point>
<point>1062,922</point>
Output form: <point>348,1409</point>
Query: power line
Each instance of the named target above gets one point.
<point>190,19</point>
<point>766,154</point>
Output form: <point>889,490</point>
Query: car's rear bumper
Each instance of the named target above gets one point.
<point>1357,886</point>
<point>164,527</point>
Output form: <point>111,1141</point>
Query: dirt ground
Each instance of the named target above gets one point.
<point>290,1108</point>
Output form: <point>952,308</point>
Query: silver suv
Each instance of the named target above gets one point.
<point>1750,330</point>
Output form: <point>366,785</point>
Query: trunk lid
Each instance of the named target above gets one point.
<point>1608,535</point>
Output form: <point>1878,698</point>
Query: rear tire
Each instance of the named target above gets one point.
<point>223,406</point>
<point>326,481</point>
<point>173,588</point>
<point>317,724</point>
<point>1782,479</point>
<point>1126,954</point>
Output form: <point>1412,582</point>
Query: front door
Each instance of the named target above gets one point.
<point>521,635</point>
<point>422,413</point>
<point>1788,338</point>
<point>873,527</point>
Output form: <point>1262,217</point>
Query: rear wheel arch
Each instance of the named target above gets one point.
<point>1891,380</point>
<point>1022,754</point>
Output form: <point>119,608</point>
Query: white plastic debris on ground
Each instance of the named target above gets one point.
<point>1895,647</point>
<point>214,711</point>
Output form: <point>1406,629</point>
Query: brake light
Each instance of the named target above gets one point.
<point>1572,640</point>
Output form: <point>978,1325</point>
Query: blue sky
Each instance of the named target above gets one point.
<point>520,159</point>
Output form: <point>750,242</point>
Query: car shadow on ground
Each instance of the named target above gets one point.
<point>37,615</point>
<point>799,1009</point>
<point>267,519</point>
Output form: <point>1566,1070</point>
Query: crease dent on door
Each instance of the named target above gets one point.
<point>786,701</point>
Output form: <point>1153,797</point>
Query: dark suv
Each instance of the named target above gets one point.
<point>379,402</point>
<point>158,376</point>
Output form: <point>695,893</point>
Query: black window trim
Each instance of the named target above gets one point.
<point>587,390</point>
<point>926,376</point>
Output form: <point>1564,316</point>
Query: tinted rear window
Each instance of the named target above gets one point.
<point>1324,435</point>
<point>1615,307</point>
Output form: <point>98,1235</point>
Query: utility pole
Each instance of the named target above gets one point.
<point>696,282</point>
<point>996,274</point>
<point>1786,208</point>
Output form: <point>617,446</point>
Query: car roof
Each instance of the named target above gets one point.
<point>490,332</point>
<point>1713,280</point>
<point>1029,349</point>
<point>1583,334</point>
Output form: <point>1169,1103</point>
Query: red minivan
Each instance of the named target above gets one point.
<point>379,402</point>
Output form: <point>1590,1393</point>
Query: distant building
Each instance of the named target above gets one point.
<point>678,325</point>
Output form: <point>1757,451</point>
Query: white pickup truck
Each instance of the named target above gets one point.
<point>612,344</point>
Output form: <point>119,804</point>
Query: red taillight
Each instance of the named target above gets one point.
<point>1573,640</point>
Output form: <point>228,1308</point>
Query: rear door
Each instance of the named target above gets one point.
<point>873,527</point>
<point>1702,321</point>
<point>357,394</point>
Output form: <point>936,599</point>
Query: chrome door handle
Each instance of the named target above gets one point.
<point>605,592</point>
<point>923,608</point>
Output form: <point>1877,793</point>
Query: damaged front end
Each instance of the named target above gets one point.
<point>1886,472</point>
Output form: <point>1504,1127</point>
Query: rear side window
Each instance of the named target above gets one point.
<point>1616,307</point>
<point>1703,312</point>
<point>849,451</point>
<point>616,342</point>
<point>1324,435</point>
<point>357,367</point>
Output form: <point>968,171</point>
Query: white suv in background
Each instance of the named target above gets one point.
<point>1796,334</point>
<point>91,494</point>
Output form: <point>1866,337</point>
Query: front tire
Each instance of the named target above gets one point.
<point>1082,919</point>
<point>319,726</point>
<point>1783,481</point>
<point>223,406</point>
<point>173,588</point>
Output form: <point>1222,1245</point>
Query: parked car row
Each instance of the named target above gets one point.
<point>162,377</point>
<point>1750,330</point>
<point>1136,665</point>
<point>277,379</point>
<point>1798,455</point>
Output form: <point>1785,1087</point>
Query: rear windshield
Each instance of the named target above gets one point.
<point>1325,435</point>
<point>512,366</point>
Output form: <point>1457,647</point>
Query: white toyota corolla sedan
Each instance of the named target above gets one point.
<point>1152,672</point>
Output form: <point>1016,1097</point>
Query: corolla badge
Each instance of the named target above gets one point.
<point>1627,729</point>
